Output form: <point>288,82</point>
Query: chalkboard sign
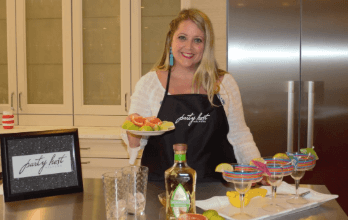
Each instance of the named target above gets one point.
<point>40,164</point>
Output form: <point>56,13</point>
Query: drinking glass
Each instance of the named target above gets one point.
<point>278,168</point>
<point>136,187</point>
<point>242,176</point>
<point>305,162</point>
<point>114,195</point>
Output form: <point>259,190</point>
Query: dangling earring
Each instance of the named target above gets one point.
<point>171,57</point>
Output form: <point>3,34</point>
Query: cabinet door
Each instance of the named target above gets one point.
<point>150,24</point>
<point>8,93</point>
<point>101,39</point>
<point>44,58</point>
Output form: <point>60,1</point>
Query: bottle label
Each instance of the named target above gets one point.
<point>180,201</point>
<point>180,157</point>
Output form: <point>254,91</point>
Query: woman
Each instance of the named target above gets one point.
<point>202,100</point>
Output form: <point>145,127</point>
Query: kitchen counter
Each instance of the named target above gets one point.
<point>90,204</point>
<point>84,132</point>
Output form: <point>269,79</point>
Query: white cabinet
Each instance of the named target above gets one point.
<point>8,83</point>
<point>74,62</point>
<point>99,156</point>
<point>101,51</point>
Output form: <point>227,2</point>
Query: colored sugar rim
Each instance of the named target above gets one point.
<point>284,167</point>
<point>237,174</point>
<point>305,164</point>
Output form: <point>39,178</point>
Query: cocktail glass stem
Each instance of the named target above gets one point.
<point>274,193</point>
<point>297,184</point>
<point>241,198</point>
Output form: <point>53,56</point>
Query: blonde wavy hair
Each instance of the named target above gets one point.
<point>207,73</point>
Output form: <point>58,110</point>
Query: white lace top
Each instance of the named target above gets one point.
<point>147,99</point>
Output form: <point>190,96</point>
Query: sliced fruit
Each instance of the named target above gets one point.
<point>210,213</point>
<point>133,127</point>
<point>146,128</point>
<point>148,123</point>
<point>138,120</point>
<point>154,120</point>
<point>260,159</point>
<point>233,196</point>
<point>281,156</point>
<point>223,166</point>
<point>217,217</point>
<point>127,124</point>
<point>156,128</point>
<point>166,125</point>
<point>191,216</point>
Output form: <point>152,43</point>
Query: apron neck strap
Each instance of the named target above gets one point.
<point>168,79</point>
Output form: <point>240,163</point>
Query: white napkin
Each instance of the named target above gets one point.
<point>285,188</point>
<point>133,154</point>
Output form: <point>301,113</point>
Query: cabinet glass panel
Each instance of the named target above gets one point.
<point>155,18</point>
<point>3,54</point>
<point>44,52</point>
<point>101,52</point>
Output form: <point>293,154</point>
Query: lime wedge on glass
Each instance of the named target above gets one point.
<point>223,166</point>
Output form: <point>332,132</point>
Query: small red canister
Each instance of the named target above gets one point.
<point>7,120</point>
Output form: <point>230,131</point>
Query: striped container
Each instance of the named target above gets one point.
<point>305,162</point>
<point>279,166</point>
<point>7,120</point>
<point>242,173</point>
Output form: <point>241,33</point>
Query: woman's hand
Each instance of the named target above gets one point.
<point>134,140</point>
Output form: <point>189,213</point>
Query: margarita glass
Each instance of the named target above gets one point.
<point>278,168</point>
<point>305,162</point>
<point>242,176</point>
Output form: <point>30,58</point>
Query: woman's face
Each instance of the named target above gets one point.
<point>187,45</point>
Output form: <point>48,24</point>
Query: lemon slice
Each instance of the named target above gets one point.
<point>223,166</point>
<point>281,156</point>
<point>260,159</point>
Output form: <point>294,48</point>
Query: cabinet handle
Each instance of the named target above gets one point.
<point>88,162</point>
<point>125,103</point>
<point>20,101</point>
<point>85,148</point>
<point>291,111</point>
<point>310,114</point>
<point>12,94</point>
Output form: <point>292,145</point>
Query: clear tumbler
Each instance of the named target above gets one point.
<point>136,178</point>
<point>114,194</point>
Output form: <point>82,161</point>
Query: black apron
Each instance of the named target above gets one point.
<point>198,124</point>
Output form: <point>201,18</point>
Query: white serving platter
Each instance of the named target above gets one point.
<point>150,133</point>
<point>254,208</point>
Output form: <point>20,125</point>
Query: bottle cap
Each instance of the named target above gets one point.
<point>180,147</point>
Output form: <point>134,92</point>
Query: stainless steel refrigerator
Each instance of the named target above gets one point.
<point>290,60</point>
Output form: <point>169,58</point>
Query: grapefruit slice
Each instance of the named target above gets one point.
<point>138,120</point>
<point>191,216</point>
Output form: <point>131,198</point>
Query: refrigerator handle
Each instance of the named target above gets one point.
<point>310,114</point>
<point>291,112</point>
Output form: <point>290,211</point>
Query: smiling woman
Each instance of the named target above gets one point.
<point>186,87</point>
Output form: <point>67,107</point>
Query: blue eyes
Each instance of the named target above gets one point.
<point>182,37</point>
<point>196,40</point>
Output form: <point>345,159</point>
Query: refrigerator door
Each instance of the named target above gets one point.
<point>325,68</point>
<point>263,57</point>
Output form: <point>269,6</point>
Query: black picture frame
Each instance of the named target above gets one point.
<point>40,154</point>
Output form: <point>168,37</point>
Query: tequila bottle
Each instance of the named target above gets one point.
<point>180,181</point>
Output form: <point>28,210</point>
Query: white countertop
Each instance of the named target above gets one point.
<point>84,132</point>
